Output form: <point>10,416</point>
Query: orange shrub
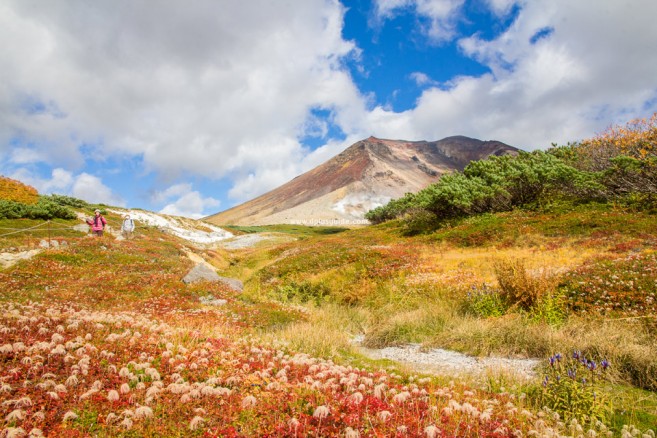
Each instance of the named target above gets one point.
<point>637,139</point>
<point>13,190</point>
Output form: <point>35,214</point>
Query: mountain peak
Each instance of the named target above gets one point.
<point>365,175</point>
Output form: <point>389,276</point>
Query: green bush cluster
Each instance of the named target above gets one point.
<point>46,208</point>
<point>499,183</point>
<point>484,302</point>
<point>303,292</point>
<point>620,166</point>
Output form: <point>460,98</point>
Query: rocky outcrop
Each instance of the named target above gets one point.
<point>202,272</point>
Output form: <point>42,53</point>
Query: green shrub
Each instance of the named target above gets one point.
<point>12,209</point>
<point>66,201</point>
<point>550,309</point>
<point>417,221</point>
<point>45,209</point>
<point>573,387</point>
<point>499,183</point>
<point>303,292</point>
<point>484,302</point>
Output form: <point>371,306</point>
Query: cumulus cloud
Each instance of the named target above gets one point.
<point>91,189</point>
<point>182,200</point>
<point>441,15</point>
<point>220,89</point>
<point>84,186</point>
<point>421,79</point>
<point>191,205</point>
<point>560,72</point>
<point>228,89</point>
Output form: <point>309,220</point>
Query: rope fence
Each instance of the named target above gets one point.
<point>35,228</point>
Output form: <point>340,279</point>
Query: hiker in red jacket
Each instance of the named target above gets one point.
<point>97,224</point>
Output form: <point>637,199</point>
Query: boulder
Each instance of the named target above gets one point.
<point>83,228</point>
<point>202,272</point>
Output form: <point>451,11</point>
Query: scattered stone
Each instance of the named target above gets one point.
<point>44,244</point>
<point>9,258</point>
<point>212,301</point>
<point>233,283</point>
<point>83,228</point>
<point>54,243</point>
<point>201,272</point>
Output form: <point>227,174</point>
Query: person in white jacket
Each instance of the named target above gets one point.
<point>127,227</point>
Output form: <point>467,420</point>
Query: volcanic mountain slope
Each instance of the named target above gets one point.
<point>365,175</point>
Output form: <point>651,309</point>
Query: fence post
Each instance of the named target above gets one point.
<point>49,243</point>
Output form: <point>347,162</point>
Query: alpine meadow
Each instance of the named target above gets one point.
<point>544,255</point>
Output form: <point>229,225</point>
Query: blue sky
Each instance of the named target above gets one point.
<point>190,108</point>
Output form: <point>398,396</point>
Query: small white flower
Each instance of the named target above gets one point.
<point>111,418</point>
<point>351,433</point>
<point>401,397</point>
<point>249,401</point>
<point>293,423</point>
<point>356,397</point>
<point>196,423</point>
<point>14,432</point>
<point>124,388</point>
<point>127,423</point>
<point>321,412</point>
<point>143,412</point>
<point>113,395</point>
<point>431,431</point>
<point>72,380</point>
<point>70,416</point>
<point>384,416</point>
<point>15,415</point>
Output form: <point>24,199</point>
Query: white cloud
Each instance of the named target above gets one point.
<point>441,14</point>
<point>190,204</point>
<point>171,192</point>
<point>226,89</point>
<point>84,186</point>
<point>502,7</point>
<point>91,189</point>
<point>61,182</point>
<point>421,79</point>
<point>218,89</point>
<point>594,64</point>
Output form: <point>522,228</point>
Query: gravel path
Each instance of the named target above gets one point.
<point>244,241</point>
<point>440,361</point>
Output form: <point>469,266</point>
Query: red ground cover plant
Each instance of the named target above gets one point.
<point>623,286</point>
<point>140,354</point>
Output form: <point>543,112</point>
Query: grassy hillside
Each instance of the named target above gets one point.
<point>101,337</point>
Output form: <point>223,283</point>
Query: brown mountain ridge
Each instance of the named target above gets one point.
<point>365,175</point>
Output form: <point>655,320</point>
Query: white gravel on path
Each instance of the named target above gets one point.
<point>441,361</point>
<point>244,241</point>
